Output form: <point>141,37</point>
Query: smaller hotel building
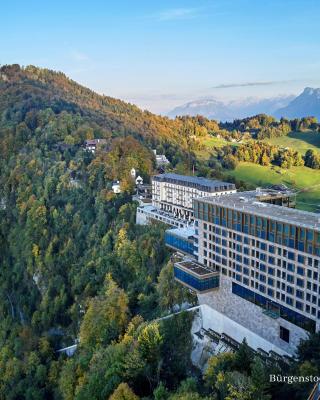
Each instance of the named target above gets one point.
<point>174,193</point>
<point>172,197</point>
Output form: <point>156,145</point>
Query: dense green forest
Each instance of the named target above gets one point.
<point>75,266</point>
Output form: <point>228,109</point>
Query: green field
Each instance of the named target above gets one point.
<point>304,180</point>
<point>301,141</point>
<point>207,146</point>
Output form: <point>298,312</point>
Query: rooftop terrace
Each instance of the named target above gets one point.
<point>196,269</point>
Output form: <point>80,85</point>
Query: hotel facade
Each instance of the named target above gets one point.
<point>172,197</point>
<point>251,257</point>
<point>268,259</point>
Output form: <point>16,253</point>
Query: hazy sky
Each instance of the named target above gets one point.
<point>159,54</point>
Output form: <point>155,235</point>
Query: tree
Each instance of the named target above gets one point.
<point>106,316</point>
<point>239,387</point>
<point>260,379</point>
<point>160,392</point>
<point>123,392</point>
<point>230,162</point>
<point>217,364</point>
<point>170,293</point>
<point>243,357</point>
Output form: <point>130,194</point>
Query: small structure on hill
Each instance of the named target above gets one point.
<point>161,159</point>
<point>133,173</point>
<point>93,144</point>
<point>116,187</point>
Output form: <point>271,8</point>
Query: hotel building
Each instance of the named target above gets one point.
<point>172,197</point>
<point>174,193</point>
<point>268,259</point>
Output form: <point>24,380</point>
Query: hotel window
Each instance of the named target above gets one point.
<point>262,268</point>
<point>300,282</point>
<point>271,271</point>
<point>289,301</point>
<point>300,270</point>
<point>299,305</point>
<point>291,255</point>
<point>262,278</point>
<point>290,267</point>
<point>262,288</point>
<point>290,278</point>
<point>299,294</point>
<point>271,249</point>
<point>289,289</point>
<point>284,334</point>
<point>270,282</point>
<point>270,292</point>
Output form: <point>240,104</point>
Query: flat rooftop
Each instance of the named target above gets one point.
<point>247,202</point>
<point>205,184</point>
<point>196,269</point>
<point>185,233</point>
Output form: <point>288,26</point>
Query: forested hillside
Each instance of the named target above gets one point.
<point>75,266</point>
<point>72,261</point>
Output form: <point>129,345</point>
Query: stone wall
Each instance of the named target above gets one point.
<point>251,316</point>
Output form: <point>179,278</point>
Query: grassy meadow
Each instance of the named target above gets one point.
<point>304,180</point>
<point>300,141</point>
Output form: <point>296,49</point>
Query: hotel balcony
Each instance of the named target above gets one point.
<point>196,277</point>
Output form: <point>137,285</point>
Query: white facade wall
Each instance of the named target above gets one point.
<point>177,199</point>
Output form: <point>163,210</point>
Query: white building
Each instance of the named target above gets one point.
<point>116,187</point>
<point>133,173</point>
<point>174,193</point>
<point>161,159</point>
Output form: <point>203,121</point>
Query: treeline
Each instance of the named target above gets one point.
<point>264,126</point>
<point>265,154</point>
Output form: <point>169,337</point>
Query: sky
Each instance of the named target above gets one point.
<point>160,54</point>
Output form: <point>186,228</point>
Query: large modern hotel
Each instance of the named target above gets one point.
<point>268,257</point>
<point>251,257</point>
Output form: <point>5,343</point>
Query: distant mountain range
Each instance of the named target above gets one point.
<point>306,104</point>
